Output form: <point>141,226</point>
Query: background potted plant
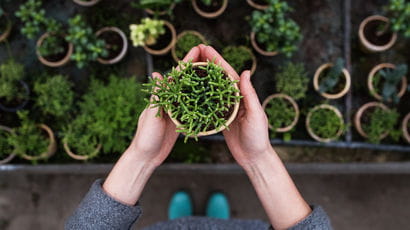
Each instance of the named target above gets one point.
<point>292,80</point>
<point>406,128</point>
<point>324,123</point>
<point>200,98</point>
<point>7,151</point>
<point>209,8</point>
<point>157,7</point>
<point>399,15</point>
<point>386,82</point>
<point>116,44</point>
<point>374,35</point>
<point>332,81</point>
<point>258,4</point>
<point>14,92</point>
<point>86,2</point>
<point>5,25</point>
<point>184,43</point>
<point>152,34</point>
<point>240,58</point>
<point>273,32</point>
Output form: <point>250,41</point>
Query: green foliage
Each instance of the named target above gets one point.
<point>200,103</point>
<point>325,123</point>
<point>5,147</point>
<point>207,2</point>
<point>380,121</point>
<point>329,81</point>
<point>11,73</point>
<point>399,14</point>
<point>280,113</point>
<point>391,79</point>
<point>274,29</point>
<point>237,56</point>
<point>28,138</point>
<point>51,45</point>
<point>147,32</point>
<point>87,47</point>
<point>54,96</point>
<point>292,80</point>
<point>185,43</point>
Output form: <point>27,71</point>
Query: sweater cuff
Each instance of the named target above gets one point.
<point>317,219</point>
<point>100,211</point>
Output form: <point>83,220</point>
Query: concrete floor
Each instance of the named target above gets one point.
<point>43,201</point>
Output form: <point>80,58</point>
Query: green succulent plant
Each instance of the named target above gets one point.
<point>11,73</point>
<point>147,32</point>
<point>399,15</point>
<point>185,43</point>
<point>325,123</point>
<point>237,57</point>
<point>330,78</point>
<point>390,79</point>
<point>379,122</point>
<point>292,80</point>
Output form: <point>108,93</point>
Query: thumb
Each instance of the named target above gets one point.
<point>250,98</point>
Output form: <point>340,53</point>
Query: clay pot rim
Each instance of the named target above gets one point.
<point>13,153</point>
<point>151,12</point>
<point>170,45</point>
<point>294,105</point>
<point>256,5</point>
<point>86,3</point>
<point>346,75</point>
<point>6,33</point>
<point>62,62</point>
<point>51,149</point>
<point>359,114</point>
<point>231,117</point>
<point>370,85</point>
<point>183,33</point>
<point>80,157</point>
<point>124,49</point>
<point>212,14</point>
<point>23,104</point>
<point>258,49</point>
<point>366,43</point>
<point>406,133</point>
<point>329,107</point>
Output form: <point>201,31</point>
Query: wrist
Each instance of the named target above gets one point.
<point>262,159</point>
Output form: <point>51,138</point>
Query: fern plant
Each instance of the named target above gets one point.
<point>390,79</point>
<point>332,77</point>
<point>292,80</point>
<point>147,32</point>
<point>379,122</point>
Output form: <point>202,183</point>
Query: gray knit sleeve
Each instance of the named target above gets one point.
<point>99,211</point>
<point>317,220</point>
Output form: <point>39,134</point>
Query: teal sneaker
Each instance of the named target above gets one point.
<point>218,206</point>
<point>180,205</point>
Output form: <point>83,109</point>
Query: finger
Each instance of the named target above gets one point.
<point>250,98</point>
<point>193,55</point>
<point>211,54</point>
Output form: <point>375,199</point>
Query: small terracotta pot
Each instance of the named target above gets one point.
<point>13,153</point>
<point>80,157</point>
<point>207,14</point>
<point>359,114</point>
<point>51,149</point>
<point>59,63</point>
<point>373,72</point>
<point>294,105</point>
<point>340,94</point>
<point>231,118</point>
<point>193,32</point>
<point>22,105</point>
<point>309,129</point>
<point>124,47</point>
<point>366,44</point>
<point>258,49</point>
<point>405,128</point>
<point>151,12</point>
<point>86,3</point>
<point>256,5</point>
<point>170,45</point>
<point>5,34</point>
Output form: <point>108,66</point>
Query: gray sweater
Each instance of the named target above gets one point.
<point>99,211</point>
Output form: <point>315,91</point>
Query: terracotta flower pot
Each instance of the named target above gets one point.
<point>206,14</point>
<point>124,48</point>
<point>5,34</point>
<point>13,153</point>
<point>373,72</point>
<point>86,3</point>
<point>169,46</point>
<point>230,119</point>
<point>316,83</point>
<point>405,128</point>
<point>310,130</point>
<point>359,114</point>
<point>294,105</point>
<point>256,5</point>
<point>6,108</point>
<point>58,63</point>
<point>260,50</point>
<point>193,32</point>
<point>51,149</point>
<point>80,157</point>
<point>152,12</point>
<point>365,41</point>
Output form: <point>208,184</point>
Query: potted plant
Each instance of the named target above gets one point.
<point>386,82</point>
<point>14,92</point>
<point>86,2</point>
<point>116,44</point>
<point>406,128</point>
<point>324,123</point>
<point>332,81</point>
<point>282,112</point>
<point>258,4</point>
<point>152,34</point>
<point>184,43</point>
<point>7,152</point>
<point>292,80</point>
<point>200,98</point>
<point>374,121</point>
<point>273,32</point>
<point>209,8</point>
<point>32,141</point>
<point>5,25</point>
<point>240,58</point>
<point>374,35</point>
<point>399,15</point>
<point>157,7</point>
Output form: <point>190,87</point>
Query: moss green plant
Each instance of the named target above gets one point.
<point>379,122</point>
<point>325,123</point>
<point>292,80</point>
<point>147,32</point>
<point>11,73</point>
<point>185,43</point>
<point>237,57</point>
<point>280,113</point>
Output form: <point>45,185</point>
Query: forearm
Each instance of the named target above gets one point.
<point>279,196</point>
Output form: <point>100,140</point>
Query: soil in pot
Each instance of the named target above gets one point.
<point>376,33</point>
<point>54,48</point>
<point>280,112</point>
<point>214,5</point>
<point>325,123</point>
<point>339,87</point>
<point>113,44</point>
<point>163,40</point>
